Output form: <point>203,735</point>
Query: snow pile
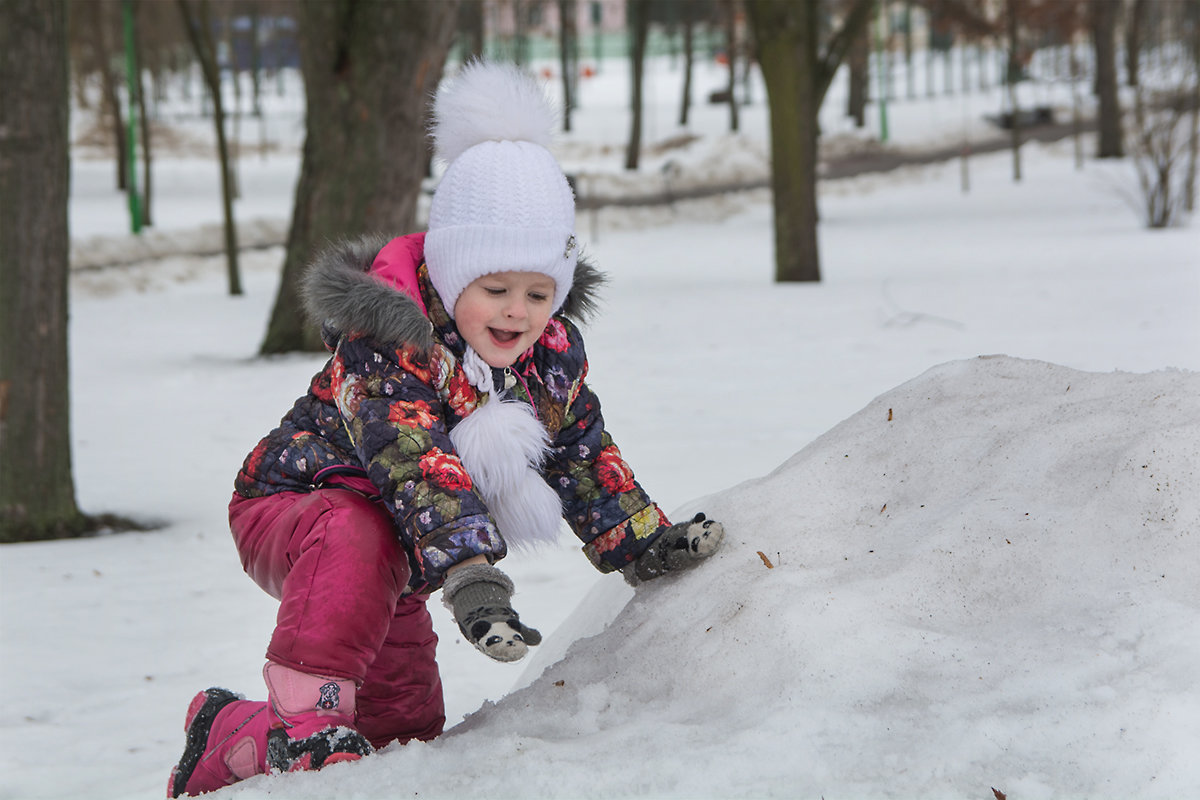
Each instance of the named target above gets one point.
<point>988,577</point>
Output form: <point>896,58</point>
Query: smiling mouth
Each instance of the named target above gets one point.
<point>504,337</point>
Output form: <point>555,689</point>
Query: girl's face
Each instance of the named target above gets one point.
<point>501,315</point>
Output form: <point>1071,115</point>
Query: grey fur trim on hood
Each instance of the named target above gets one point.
<point>338,291</point>
<point>583,301</point>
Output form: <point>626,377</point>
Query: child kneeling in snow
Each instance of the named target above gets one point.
<point>452,420</point>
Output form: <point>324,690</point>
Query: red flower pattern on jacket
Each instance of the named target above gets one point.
<point>462,397</point>
<point>444,470</point>
<point>555,337</point>
<point>417,414</point>
<point>255,459</point>
<point>612,471</point>
<point>407,359</point>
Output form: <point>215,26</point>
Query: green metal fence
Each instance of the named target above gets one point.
<point>706,43</point>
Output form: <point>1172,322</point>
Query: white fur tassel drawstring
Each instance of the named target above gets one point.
<point>502,445</point>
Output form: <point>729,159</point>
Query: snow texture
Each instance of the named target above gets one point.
<point>964,585</point>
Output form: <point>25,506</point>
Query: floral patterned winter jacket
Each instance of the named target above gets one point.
<point>383,407</point>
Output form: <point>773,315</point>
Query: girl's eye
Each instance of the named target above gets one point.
<point>494,291</point>
<point>538,297</point>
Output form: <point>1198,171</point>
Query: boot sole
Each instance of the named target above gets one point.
<point>198,728</point>
<point>329,746</point>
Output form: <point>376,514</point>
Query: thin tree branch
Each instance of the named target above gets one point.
<point>839,45</point>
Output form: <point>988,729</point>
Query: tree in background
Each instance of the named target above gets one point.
<point>95,46</point>
<point>1013,75</point>
<point>1166,121</point>
<point>97,58</point>
<point>369,70</point>
<point>730,10</point>
<point>688,25</point>
<point>1133,39</point>
<point>37,490</point>
<point>637,15</point>
<point>858,59</point>
<point>197,20</point>
<point>797,71</point>
<point>138,9</point>
<point>1105,14</point>
<point>568,56</point>
<point>471,29</point>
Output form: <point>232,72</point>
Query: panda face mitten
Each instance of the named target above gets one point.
<point>678,547</point>
<point>480,597</point>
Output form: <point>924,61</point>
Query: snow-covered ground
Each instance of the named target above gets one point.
<point>983,571</point>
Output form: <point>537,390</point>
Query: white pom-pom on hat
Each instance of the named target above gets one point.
<point>490,102</point>
<point>503,203</point>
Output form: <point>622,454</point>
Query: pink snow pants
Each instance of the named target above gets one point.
<point>334,561</point>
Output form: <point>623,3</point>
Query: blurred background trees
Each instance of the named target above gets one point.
<point>974,44</point>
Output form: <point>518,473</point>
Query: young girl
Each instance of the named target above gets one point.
<point>452,421</point>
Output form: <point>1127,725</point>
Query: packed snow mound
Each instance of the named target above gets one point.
<point>988,577</point>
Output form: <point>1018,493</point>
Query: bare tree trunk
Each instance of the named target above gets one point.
<point>370,69</point>
<point>199,30</point>
<point>909,76</point>
<point>520,40</point>
<point>637,14</point>
<point>1133,40</point>
<point>731,52</point>
<point>1076,107</point>
<point>108,86</point>
<point>964,58</point>
<point>233,143</point>
<point>794,160</point>
<point>566,34</point>
<point>948,66</point>
<point>689,55</point>
<point>256,60</point>
<point>37,490</point>
<point>859,62</point>
<point>797,75</point>
<point>930,50</point>
<point>471,24</point>
<point>1014,74</point>
<point>1104,24</point>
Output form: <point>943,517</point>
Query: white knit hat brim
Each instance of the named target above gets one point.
<point>459,254</point>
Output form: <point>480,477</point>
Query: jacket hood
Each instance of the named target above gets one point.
<point>340,291</point>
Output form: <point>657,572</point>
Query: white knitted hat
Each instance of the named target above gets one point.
<point>503,202</point>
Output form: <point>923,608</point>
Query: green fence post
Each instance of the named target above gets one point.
<point>881,63</point>
<point>135,207</point>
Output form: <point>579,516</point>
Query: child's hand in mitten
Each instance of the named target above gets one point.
<point>480,597</point>
<point>678,547</point>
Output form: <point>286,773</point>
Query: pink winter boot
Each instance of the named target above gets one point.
<point>306,724</point>
<point>226,740</point>
<point>315,717</point>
